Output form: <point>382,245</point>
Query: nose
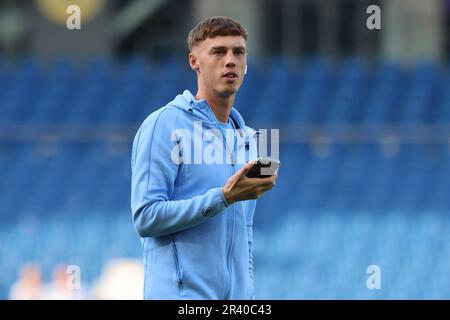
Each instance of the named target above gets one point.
<point>230,60</point>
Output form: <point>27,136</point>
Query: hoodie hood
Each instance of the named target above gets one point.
<point>201,110</point>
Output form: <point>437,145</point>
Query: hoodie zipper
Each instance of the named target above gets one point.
<point>177,266</point>
<point>232,227</point>
<point>230,241</point>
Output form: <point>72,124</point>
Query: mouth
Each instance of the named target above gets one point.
<point>230,75</point>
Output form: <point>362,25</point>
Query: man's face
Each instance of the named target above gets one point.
<point>220,63</point>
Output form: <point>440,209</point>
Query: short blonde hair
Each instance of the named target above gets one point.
<point>214,27</point>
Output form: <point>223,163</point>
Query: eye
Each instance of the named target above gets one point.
<point>239,51</point>
<point>219,52</point>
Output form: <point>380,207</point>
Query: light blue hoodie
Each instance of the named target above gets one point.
<point>195,245</point>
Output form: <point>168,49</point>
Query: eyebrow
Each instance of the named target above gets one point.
<point>223,47</point>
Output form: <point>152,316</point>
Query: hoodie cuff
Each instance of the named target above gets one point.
<point>224,198</point>
<point>217,203</point>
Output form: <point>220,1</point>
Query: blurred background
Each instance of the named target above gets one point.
<point>364,119</point>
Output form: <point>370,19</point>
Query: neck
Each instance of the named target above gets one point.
<point>220,105</point>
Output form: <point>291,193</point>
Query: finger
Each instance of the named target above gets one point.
<point>267,186</point>
<point>269,179</point>
<point>263,189</point>
<point>274,177</point>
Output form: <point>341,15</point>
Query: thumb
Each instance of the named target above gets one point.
<point>245,169</point>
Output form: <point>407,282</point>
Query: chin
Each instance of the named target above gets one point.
<point>227,93</point>
<point>230,90</point>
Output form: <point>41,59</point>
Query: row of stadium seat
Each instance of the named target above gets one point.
<point>97,176</point>
<point>278,91</point>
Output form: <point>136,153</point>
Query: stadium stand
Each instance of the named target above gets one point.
<point>334,212</point>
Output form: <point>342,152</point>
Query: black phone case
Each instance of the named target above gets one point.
<point>255,171</point>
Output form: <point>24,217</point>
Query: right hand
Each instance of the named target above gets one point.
<point>239,187</point>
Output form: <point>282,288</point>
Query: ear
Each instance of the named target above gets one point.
<point>193,62</point>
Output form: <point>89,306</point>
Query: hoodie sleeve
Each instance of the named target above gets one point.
<point>152,183</point>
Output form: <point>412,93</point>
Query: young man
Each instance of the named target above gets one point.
<point>195,217</point>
